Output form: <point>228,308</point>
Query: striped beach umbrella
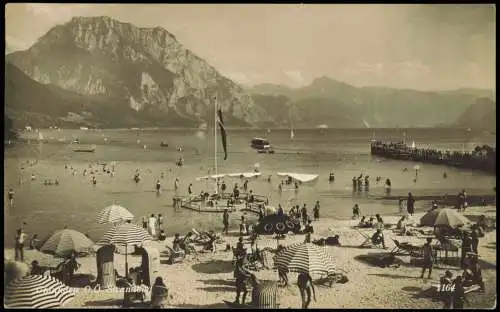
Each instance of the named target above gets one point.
<point>64,242</point>
<point>305,258</point>
<point>38,292</point>
<point>444,217</point>
<point>123,235</point>
<point>114,214</point>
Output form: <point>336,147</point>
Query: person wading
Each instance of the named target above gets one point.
<point>305,284</point>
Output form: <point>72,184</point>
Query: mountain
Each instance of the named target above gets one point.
<point>120,67</point>
<point>29,102</point>
<point>481,115</point>
<point>381,107</point>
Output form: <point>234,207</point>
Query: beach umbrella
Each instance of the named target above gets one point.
<point>444,217</point>
<point>123,235</point>
<point>64,242</point>
<point>114,214</point>
<point>305,258</point>
<point>38,292</point>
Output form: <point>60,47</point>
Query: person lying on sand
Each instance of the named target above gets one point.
<point>328,241</point>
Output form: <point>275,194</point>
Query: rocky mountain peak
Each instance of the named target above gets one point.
<point>101,56</point>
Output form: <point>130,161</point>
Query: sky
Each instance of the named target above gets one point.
<point>425,47</point>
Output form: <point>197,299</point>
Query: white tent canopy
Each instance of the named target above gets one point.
<point>245,174</point>
<point>301,177</point>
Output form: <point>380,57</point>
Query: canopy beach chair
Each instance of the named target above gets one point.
<point>175,256</point>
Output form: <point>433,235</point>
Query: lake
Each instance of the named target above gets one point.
<point>346,152</point>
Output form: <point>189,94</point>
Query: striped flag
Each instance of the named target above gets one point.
<point>222,132</point>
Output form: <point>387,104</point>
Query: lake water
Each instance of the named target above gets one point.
<point>76,201</point>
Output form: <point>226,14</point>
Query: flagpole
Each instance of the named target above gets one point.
<point>215,143</point>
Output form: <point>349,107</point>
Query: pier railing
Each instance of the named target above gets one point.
<point>481,158</point>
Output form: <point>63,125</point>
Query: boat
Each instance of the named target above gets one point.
<point>211,204</point>
<point>269,150</point>
<point>90,149</point>
<point>163,144</point>
<point>84,128</point>
<point>262,146</point>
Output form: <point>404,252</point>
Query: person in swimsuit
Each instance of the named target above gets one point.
<point>11,197</point>
<point>305,284</point>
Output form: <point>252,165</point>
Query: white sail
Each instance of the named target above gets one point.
<point>40,136</point>
<point>413,144</point>
<point>292,134</point>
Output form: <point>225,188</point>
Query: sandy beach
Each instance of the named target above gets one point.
<point>204,281</point>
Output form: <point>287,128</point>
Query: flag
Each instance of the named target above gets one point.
<point>222,133</point>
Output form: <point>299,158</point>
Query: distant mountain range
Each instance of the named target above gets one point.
<point>100,72</point>
<point>481,116</point>
<point>336,103</point>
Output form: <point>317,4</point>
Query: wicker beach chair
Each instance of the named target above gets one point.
<point>265,295</point>
<point>268,259</point>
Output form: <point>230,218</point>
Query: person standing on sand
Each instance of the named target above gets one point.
<point>304,214</point>
<point>355,211</point>
<point>152,225</point>
<point>316,211</point>
<point>428,258</point>
<point>158,187</point>
<point>176,185</point>
<point>160,221</point>
<point>225,220</point>
<point>410,204</point>
<point>144,223</point>
<point>11,197</point>
<point>19,246</point>
<point>190,189</point>
<point>305,284</point>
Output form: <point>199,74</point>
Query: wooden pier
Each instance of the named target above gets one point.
<point>481,158</point>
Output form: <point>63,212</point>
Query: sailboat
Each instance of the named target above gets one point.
<point>197,203</point>
<point>292,134</point>
<point>413,144</point>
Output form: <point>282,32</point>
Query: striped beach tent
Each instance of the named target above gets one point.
<point>114,214</point>
<point>124,235</point>
<point>305,258</point>
<point>63,242</point>
<point>38,292</point>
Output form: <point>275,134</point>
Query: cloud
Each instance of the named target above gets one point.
<point>296,77</point>
<point>13,44</point>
